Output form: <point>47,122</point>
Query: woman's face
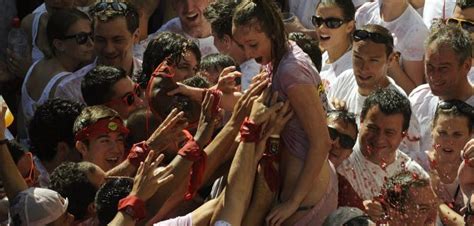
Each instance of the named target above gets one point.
<point>254,41</point>
<point>186,67</point>
<point>333,38</point>
<point>450,134</point>
<point>80,47</point>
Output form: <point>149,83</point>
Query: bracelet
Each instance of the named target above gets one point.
<point>249,131</point>
<point>4,141</point>
<point>132,206</point>
<point>138,153</point>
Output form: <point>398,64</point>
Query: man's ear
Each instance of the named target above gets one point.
<point>227,40</point>
<point>136,36</point>
<point>91,210</point>
<point>81,148</point>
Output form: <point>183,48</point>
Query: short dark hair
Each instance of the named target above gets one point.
<point>166,44</point>
<point>97,85</point>
<point>464,4</point>
<point>56,116</point>
<point>347,117</point>
<point>67,178</point>
<point>109,13</point>
<point>390,102</point>
<point>396,190</point>
<point>216,61</point>
<point>382,31</point>
<point>91,115</point>
<point>309,45</point>
<point>219,14</point>
<point>108,197</point>
<point>60,22</point>
<point>453,37</point>
<point>16,150</point>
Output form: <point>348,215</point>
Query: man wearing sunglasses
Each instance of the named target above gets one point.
<point>115,32</point>
<point>385,118</point>
<point>110,86</point>
<point>448,61</point>
<point>463,17</point>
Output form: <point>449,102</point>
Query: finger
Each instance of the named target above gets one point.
<point>171,115</point>
<point>177,118</point>
<point>259,88</point>
<point>148,159</point>
<point>227,70</point>
<point>175,91</point>
<point>159,159</point>
<point>163,171</point>
<point>165,180</point>
<point>266,94</point>
<point>205,102</point>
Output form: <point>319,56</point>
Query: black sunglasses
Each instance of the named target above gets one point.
<point>464,24</point>
<point>129,98</point>
<point>461,106</point>
<point>330,22</point>
<point>81,38</point>
<point>375,37</point>
<point>115,5</point>
<point>345,140</point>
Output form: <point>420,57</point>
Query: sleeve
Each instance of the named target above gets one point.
<point>297,74</point>
<point>413,44</point>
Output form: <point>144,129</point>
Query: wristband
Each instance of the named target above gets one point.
<point>132,206</point>
<point>249,131</point>
<point>138,153</point>
<point>192,152</point>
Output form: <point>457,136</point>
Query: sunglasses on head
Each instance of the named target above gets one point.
<point>464,24</point>
<point>360,35</point>
<point>81,38</point>
<point>330,22</point>
<point>461,106</point>
<point>345,140</point>
<point>115,5</point>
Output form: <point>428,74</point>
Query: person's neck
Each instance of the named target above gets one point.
<point>338,52</point>
<point>383,83</point>
<point>392,9</point>
<point>50,166</point>
<point>447,171</point>
<point>462,93</point>
<point>67,63</point>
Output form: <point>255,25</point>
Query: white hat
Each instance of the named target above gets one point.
<point>37,206</point>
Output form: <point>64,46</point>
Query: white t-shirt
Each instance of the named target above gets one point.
<point>409,30</point>
<point>330,71</point>
<point>434,9</point>
<point>248,69</point>
<point>70,87</point>
<point>423,106</point>
<point>305,9</point>
<point>206,45</point>
<point>368,178</point>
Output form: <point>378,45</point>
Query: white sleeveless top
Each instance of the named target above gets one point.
<point>36,53</point>
<point>28,105</point>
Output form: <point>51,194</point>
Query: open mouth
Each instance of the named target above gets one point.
<point>113,161</point>
<point>324,37</point>
<point>447,150</point>
<point>364,77</point>
<point>259,60</point>
<point>192,16</point>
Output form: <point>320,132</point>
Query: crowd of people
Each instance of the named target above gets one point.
<point>251,112</point>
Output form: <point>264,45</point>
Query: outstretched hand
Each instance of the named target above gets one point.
<point>150,177</point>
<point>168,131</point>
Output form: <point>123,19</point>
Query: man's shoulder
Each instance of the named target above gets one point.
<point>420,94</point>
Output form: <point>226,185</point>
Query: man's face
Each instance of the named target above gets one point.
<point>126,97</point>
<point>444,74</point>
<point>106,150</point>
<point>190,13</point>
<point>186,67</point>
<point>370,63</point>
<point>465,14</point>
<point>227,45</point>
<point>421,208</point>
<point>114,43</point>
<point>380,135</point>
<point>338,154</point>
<point>254,41</point>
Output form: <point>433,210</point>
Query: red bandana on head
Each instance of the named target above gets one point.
<point>102,126</point>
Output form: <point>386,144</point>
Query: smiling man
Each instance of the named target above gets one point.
<point>115,32</point>
<point>385,118</point>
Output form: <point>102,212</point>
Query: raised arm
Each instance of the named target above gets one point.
<point>12,180</point>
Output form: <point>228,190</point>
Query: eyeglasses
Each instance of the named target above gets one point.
<point>330,22</point>
<point>375,37</point>
<point>115,5</point>
<point>81,38</point>
<point>461,106</point>
<point>30,179</point>
<point>345,140</point>
<point>464,24</point>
